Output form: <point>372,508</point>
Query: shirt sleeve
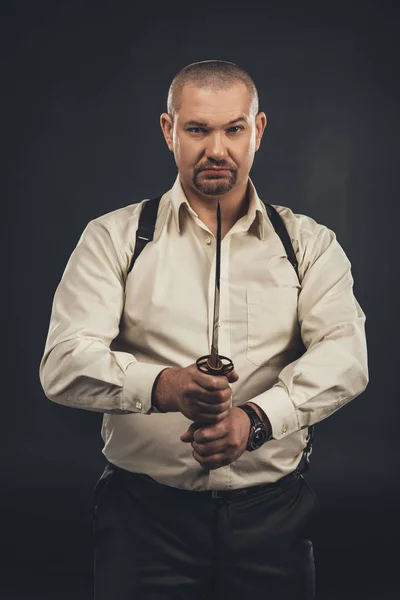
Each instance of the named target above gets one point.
<point>333,369</point>
<point>78,368</point>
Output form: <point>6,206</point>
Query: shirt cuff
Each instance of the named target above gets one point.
<point>280,411</point>
<point>139,380</point>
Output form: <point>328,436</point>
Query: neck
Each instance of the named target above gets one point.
<point>234,205</point>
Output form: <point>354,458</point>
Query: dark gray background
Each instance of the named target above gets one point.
<point>84,84</point>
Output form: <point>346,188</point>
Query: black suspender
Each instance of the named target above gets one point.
<point>147,223</point>
<point>281,230</point>
<point>145,233</point>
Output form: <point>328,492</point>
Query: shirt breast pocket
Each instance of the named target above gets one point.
<point>273,334</point>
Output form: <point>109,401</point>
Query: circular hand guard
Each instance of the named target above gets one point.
<point>223,368</point>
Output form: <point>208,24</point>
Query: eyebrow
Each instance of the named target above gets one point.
<point>193,123</point>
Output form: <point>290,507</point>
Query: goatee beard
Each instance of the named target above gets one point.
<point>215,186</point>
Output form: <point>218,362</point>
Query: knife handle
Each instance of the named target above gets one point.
<point>223,369</point>
<point>225,365</point>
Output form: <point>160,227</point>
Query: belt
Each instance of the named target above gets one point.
<point>246,492</point>
<point>236,494</point>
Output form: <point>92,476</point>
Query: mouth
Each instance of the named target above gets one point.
<point>214,170</point>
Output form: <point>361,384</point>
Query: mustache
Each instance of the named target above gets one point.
<point>203,168</point>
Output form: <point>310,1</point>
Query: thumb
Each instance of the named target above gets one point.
<point>188,435</point>
<point>232,376</point>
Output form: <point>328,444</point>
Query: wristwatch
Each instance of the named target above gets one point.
<point>258,431</point>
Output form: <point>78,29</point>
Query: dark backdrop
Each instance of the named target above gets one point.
<point>84,84</point>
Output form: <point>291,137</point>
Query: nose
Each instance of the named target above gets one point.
<point>215,147</point>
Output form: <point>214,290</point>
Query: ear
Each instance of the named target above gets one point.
<point>261,123</point>
<point>167,127</point>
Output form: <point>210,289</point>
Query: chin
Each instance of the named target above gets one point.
<point>215,186</point>
<point>218,192</point>
<point>214,189</point>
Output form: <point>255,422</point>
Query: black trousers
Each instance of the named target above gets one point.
<point>155,542</point>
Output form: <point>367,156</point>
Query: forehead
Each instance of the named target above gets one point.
<point>214,105</point>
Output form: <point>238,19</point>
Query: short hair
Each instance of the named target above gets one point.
<point>210,74</point>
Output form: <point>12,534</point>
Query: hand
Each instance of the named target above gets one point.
<point>222,443</point>
<point>199,396</point>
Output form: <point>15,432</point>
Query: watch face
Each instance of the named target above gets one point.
<point>259,437</point>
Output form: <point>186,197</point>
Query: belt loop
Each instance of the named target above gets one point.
<point>214,494</point>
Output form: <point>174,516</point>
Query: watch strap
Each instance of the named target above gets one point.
<point>255,422</point>
<point>253,416</point>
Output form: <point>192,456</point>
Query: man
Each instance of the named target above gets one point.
<point>184,509</point>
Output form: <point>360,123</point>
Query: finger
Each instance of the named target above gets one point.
<point>232,377</point>
<point>211,462</point>
<point>210,382</point>
<point>210,396</point>
<point>210,420</point>
<point>204,450</point>
<point>211,408</point>
<point>211,433</point>
<point>188,435</point>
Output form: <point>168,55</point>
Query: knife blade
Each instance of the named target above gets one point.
<point>213,363</point>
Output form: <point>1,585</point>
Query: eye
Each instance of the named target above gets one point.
<point>195,129</point>
<point>239,127</point>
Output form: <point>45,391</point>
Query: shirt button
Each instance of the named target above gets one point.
<point>138,405</point>
<point>284,429</point>
<point>208,241</point>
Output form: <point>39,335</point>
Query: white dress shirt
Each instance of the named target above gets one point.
<point>300,351</point>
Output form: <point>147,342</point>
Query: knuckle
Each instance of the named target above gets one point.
<point>216,383</point>
<point>220,395</point>
<point>227,394</point>
<point>190,387</point>
<point>233,444</point>
<point>199,450</point>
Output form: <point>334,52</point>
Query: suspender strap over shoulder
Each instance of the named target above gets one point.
<point>146,227</point>
<point>281,230</point>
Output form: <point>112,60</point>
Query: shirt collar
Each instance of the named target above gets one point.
<point>256,213</point>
